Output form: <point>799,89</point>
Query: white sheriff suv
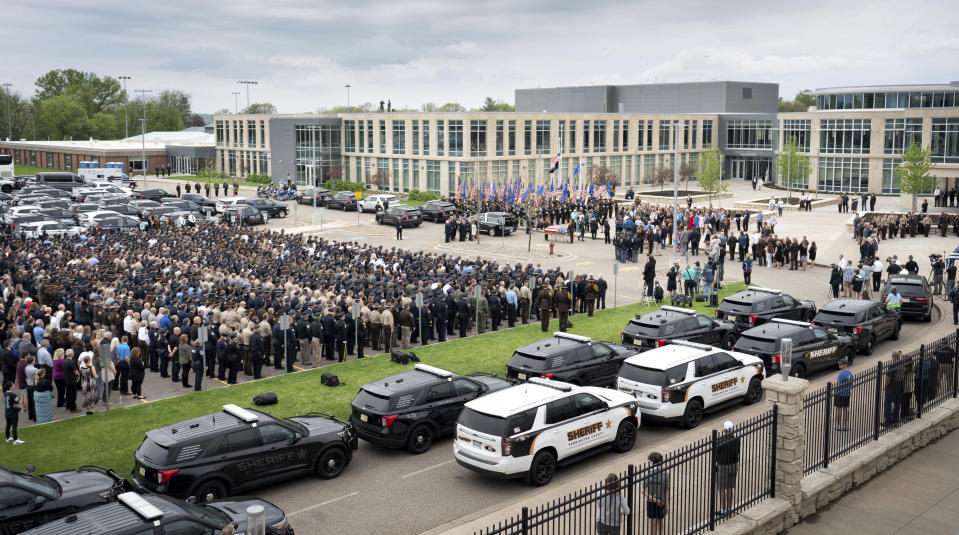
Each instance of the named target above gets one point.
<point>682,380</point>
<point>528,429</point>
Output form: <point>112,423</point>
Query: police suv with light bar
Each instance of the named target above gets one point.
<point>528,429</point>
<point>223,453</point>
<point>814,348</point>
<point>682,380</point>
<point>755,306</point>
<point>572,358</point>
<point>655,329</point>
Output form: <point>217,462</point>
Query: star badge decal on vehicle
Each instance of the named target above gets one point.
<point>301,454</point>
<point>742,379</point>
<point>609,424</point>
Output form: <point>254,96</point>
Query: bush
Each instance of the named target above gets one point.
<point>416,195</point>
<point>259,179</point>
<point>345,185</point>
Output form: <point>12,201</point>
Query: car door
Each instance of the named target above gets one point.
<point>790,307</point>
<point>288,457</point>
<point>242,459</point>
<point>606,364</point>
<point>444,405</point>
<point>826,351</point>
<point>16,504</point>
<point>707,331</point>
<point>707,375</point>
<point>732,377</point>
<point>464,391</point>
<point>587,422</point>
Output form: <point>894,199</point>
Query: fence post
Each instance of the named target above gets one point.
<point>712,482</point>
<point>525,525</point>
<point>790,439</point>
<point>921,391</point>
<point>876,413</point>
<point>772,448</point>
<point>630,498</point>
<point>955,365</point>
<point>825,440</point>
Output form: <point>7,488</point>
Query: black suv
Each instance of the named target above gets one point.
<point>242,214</point>
<point>866,322</point>
<point>916,295</point>
<point>308,195</point>
<point>136,514</point>
<point>220,454</point>
<point>412,408</point>
<point>655,328</point>
<point>437,211</point>
<point>152,194</point>
<point>814,348</point>
<point>755,306</point>
<point>207,204</point>
<point>496,223</point>
<point>272,209</point>
<point>408,216</point>
<point>28,500</point>
<point>344,200</point>
<point>570,358</point>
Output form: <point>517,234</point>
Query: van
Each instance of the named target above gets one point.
<point>61,181</point>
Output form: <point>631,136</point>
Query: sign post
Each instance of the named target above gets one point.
<point>358,194</point>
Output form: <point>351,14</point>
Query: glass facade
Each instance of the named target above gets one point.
<point>798,130</point>
<point>749,134</point>
<point>900,133</point>
<point>945,140</point>
<point>890,181</point>
<point>399,137</point>
<point>349,136</point>
<point>416,137</point>
<point>426,138</point>
<point>844,174</point>
<point>456,138</point>
<point>478,138</point>
<point>542,137</point>
<point>664,129</point>
<point>889,99</point>
<point>844,136</point>
<point>528,138</point>
<point>599,136</point>
<point>440,138</point>
<point>499,138</point>
<point>317,150</point>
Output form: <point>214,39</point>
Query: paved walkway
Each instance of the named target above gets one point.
<point>920,496</point>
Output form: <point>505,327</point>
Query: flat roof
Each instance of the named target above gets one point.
<point>952,86</point>
<point>666,356</point>
<point>519,398</point>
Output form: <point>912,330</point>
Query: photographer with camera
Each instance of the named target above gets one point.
<point>938,267</point>
<point>954,299</point>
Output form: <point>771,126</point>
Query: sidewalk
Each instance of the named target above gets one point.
<point>920,496</point>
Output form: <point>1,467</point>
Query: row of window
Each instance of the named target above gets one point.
<point>238,133</point>
<point>893,99</point>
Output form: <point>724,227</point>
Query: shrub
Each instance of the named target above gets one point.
<point>345,185</point>
<point>416,195</point>
<point>259,179</point>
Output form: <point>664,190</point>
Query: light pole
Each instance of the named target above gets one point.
<point>7,86</point>
<point>236,102</point>
<point>675,190</point>
<point>143,134</point>
<point>126,100</point>
<point>348,86</point>
<point>247,83</point>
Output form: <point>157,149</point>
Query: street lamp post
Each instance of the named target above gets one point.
<point>348,86</point>
<point>247,83</point>
<point>126,101</point>
<point>143,135</point>
<point>675,190</point>
<point>7,87</point>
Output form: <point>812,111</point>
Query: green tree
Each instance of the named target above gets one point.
<point>61,117</point>
<point>21,112</point>
<point>223,111</point>
<point>490,104</point>
<point>429,107</point>
<point>711,172</point>
<point>913,171</point>
<point>687,171</point>
<point>802,102</point>
<point>166,119</point>
<point>792,166</point>
<point>259,108</point>
<point>451,106</point>
<point>104,126</point>
<point>180,101</point>
<point>93,92</point>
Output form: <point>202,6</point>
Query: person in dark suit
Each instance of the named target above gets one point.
<point>256,353</point>
<point>329,335</point>
<point>221,348</point>
<point>277,346</point>
<point>340,329</point>
<point>232,358</point>
<point>399,230</point>
<point>292,346</point>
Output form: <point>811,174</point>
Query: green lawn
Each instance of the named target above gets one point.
<point>30,170</point>
<point>110,438</point>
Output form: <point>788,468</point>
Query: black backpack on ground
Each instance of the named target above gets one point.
<point>268,398</point>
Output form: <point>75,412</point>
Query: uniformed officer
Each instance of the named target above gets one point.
<point>462,314</point>
<point>292,347</point>
<point>591,292</point>
<point>329,335</point>
<point>232,358</point>
<point>303,335</point>
<point>545,300</point>
<point>221,345</point>
<point>316,337</point>
<point>256,353</point>
<point>564,301</point>
<point>482,312</point>
<point>440,316</point>
<point>340,337</point>
<point>495,308</point>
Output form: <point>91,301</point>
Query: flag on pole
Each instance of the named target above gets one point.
<point>590,189</point>
<point>576,171</point>
<point>565,191</point>
<point>554,163</point>
<point>609,189</point>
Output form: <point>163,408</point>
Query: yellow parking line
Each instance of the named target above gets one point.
<point>630,268</point>
<point>583,263</point>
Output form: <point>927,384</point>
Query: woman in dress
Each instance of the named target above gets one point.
<point>88,384</point>
<point>41,397</point>
<point>58,376</point>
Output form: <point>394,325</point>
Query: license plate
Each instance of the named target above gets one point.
<point>731,317</point>
<point>521,376</point>
<point>364,418</point>
<point>477,443</point>
<point>832,330</point>
<point>142,471</point>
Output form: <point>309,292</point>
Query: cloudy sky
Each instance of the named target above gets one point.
<point>302,53</point>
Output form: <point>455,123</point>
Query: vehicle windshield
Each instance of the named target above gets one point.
<point>484,423</point>
<point>372,401</point>
<point>652,376</point>
<point>41,484</point>
<point>207,513</point>
<point>911,290</point>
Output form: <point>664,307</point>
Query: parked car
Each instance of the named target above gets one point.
<point>242,214</point>
<point>183,218</point>
<point>119,222</point>
<point>61,180</point>
<point>226,202</point>
<point>154,194</point>
<point>496,223</point>
<point>407,216</point>
<point>344,200</point>
<point>571,358</point>
<point>270,208</point>
<point>755,306</point>
<point>867,322</point>
<point>655,329</point>
<point>50,228</point>
<point>376,202</point>
<point>208,204</point>
<point>313,195</point>
<point>916,295</point>
<point>60,215</point>
<point>437,211</point>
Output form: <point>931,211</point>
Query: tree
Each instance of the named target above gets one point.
<point>21,111</point>
<point>490,104</point>
<point>913,171</point>
<point>711,172</point>
<point>687,171</point>
<point>166,119</point>
<point>452,106</point>
<point>259,108</point>
<point>802,102</point>
<point>379,178</point>
<point>61,117</point>
<point>791,164</point>
<point>223,111</point>
<point>196,120</point>
<point>93,93</point>
<point>661,175</point>
<point>176,99</point>
<point>334,172</point>
<point>429,107</point>
<point>104,126</point>
<point>600,176</point>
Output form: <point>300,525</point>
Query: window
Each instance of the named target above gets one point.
<point>478,138</point>
<point>399,137</point>
<point>49,156</point>
<point>275,434</point>
<point>262,134</point>
<point>890,180</point>
<point>426,138</point>
<point>349,135</point>
<point>616,135</point>
<point>416,175</point>
<point>456,138</point>
<point>68,162</point>
<point>820,334</point>
<point>187,527</point>
<point>572,136</point>
<point>844,174</point>
<point>749,134</point>
<point>219,134</point>
<point>382,137</point>
<point>362,141</point>
<point>586,403</point>
<point>542,137</point>
<point>499,138</point>
<point>511,137</point>
<point>844,136</point>
<point>798,130</point>
<point>433,175</point>
<point>406,176</point>
<point>251,134</point>
<point>416,137</point>
<point>439,392</point>
<point>945,140</point>
<point>705,366</point>
<point>599,136</point>
<point>501,171</point>
<point>586,135</point>
<point>465,387</point>
<point>239,440</point>
<point>747,93</point>
<point>685,134</point>
<point>788,301</point>
<point>559,411</point>
<point>451,176</point>
<point>692,134</point>
<point>369,136</point>
<point>900,133</point>
<point>601,351</point>
<point>12,497</point>
<point>440,138</point>
<point>527,137</point>
<point>625,135</point>
<point>664,128</point>
<point>704,322</point>
<point>725,362</point>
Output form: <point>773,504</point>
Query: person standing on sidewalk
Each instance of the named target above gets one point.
<point>656,490</point>
<point>892,386</point>
<point>727,466</point>
<point>748,269</point>
<point>11,411</point>
<point>612,506</point>
<point>843,393</point>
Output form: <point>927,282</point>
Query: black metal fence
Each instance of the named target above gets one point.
<point>690,491</point>
<point>841,417</point>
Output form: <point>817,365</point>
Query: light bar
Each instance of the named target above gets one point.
<point>433,370</point>
<point>792,322</point>
<point>767,290</point>
<point>571,336</point>
<point>687,343</point>
<point>140,506</point>
<point>558,385</point>
<point>677,309</point>
<point>241,413</point>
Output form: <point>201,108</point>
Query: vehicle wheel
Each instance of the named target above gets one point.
<point>7,188</point>
<point>809,316</point>
<point>755,392</point>
<point>928,317</point>
<point>417,225</point>
<point>282,213</point>
<point>729,341</point>
<point>849,354</point>
<point>895,331</point>
<point>209,491</point>
<point>694,414</point>
<point>331,463</point>
<point>625,437</point>
<point>799,371</point>
<point>543,468</point>
<point>870,345</point>
<point>421,438</point>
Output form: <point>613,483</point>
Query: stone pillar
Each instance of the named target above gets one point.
<point>790,439</point>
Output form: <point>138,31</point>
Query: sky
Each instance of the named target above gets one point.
<point>303,53</point>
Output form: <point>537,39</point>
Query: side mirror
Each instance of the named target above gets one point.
<point>191,499</point>
<point>31,469</point>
